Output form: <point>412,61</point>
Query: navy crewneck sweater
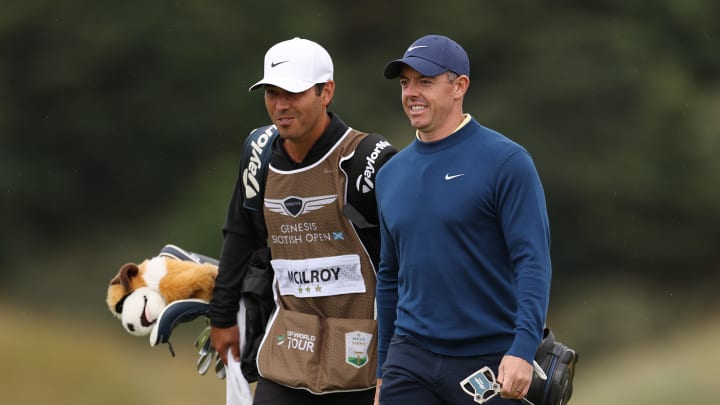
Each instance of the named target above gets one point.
<point>465,264</point>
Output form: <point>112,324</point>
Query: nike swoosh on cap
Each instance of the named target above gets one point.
<point>412,48</point>
<point>273,64</point>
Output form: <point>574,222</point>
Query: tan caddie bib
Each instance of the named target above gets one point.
<point>323,335</point>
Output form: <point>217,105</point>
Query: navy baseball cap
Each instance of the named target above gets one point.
<point>432,55</point>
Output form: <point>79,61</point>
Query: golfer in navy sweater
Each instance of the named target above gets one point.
<point>464,274</point>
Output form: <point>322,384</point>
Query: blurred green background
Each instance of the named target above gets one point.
<point>121,125</point>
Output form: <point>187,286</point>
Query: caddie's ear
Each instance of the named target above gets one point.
<point>126,273</point>
<point>328,92</point>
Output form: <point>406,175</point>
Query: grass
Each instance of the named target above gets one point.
<point>55,359</point>
<point>678,369</point>
<point>50,360</point>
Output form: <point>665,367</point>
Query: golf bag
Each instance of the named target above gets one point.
<point>558,362</point>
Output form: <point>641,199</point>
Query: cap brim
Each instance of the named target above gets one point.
<point>285,83</point>
<point>424,67</point>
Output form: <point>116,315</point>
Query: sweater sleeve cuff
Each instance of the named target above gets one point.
<point>524,346</point>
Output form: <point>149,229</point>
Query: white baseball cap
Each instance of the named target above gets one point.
<point>296,65</point>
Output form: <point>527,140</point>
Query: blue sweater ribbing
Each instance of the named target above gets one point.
<point>465,246</point>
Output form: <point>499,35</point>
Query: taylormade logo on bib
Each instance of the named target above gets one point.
<point>364,183</point>
<point>249,176</point>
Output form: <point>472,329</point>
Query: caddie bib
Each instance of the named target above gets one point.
<point>323,334</point>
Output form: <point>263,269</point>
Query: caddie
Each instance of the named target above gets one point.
<point>304,201</point>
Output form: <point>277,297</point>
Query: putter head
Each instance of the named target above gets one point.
<point>172,315</point>
<point>481,385</point>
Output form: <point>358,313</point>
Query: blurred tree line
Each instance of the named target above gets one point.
<point>115,114</point>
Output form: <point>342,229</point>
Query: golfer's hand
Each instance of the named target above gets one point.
<point>515,376</point>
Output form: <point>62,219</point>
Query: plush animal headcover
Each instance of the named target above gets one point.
<point>139,292</point>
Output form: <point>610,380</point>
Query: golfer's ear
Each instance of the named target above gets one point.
<point>462,83</point>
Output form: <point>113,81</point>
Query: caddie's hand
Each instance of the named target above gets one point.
<point>515,376</point>
<point>223,339</point>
